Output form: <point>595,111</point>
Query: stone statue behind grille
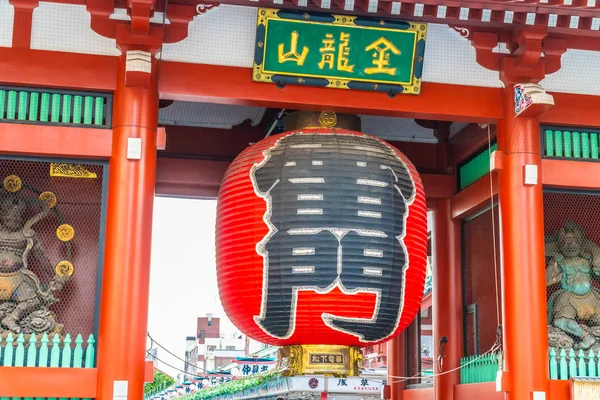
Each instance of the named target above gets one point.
<point>24,301</point>
<point>573,310</point>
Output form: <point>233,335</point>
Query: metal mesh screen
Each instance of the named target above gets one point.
<point>413,364</point>
<point>426,345</point>
<point>479,281</point>
<point>470,334</point>
<point>572,274</point>
<point>50,244</point>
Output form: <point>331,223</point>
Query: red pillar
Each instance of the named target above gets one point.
<point>396,365</point>
<point>446,299</point>
<point>126,275</point>
<point>523,262</point>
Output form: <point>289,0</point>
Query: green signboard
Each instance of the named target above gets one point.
<point>339,51</point>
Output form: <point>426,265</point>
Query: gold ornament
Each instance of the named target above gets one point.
<point>49,198</point>
<point>12,183</point>
<point>71,171</point>
<point>328,119</point>
<point>64,268</point>
<point>340,361</point>
<point>65,232</point>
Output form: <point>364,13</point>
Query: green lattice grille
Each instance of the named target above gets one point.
<point>571,144</point>
<point>56,108</point>
<point>476,168</point>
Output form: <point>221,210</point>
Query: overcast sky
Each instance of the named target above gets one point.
<point>183,282</point>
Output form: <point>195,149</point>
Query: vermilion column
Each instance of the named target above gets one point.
<point>523,270</point>
<point>126,275</point>
<point>446,300</point>
<point>396,365</point>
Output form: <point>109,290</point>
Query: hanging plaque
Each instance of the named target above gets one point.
<point>339,51</point>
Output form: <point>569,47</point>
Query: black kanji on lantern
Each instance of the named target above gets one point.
<point>336,209</point>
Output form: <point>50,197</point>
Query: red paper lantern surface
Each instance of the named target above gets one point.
<point>294,212</point>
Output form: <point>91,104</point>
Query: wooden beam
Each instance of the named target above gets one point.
<point>417,394</point>
<point>573,110</point>
<point>469,140</point>
<point>427,301</point>
<point>48,382</point>
<point>226,144</point>
<point>485,390</point>
<point>234,85</point>
<point>57,141</point>
<point>43,68</point>
<point>54,382</point>
<point>438,186</point>
<point>181,177</point>
<point>474,198</point>
<point>578,175</point>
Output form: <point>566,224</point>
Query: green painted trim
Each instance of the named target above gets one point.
<point>562,366</point>
<point>475,168</point>
<point>55,107</point>
<point>44,352</point>
<point>580,144</point>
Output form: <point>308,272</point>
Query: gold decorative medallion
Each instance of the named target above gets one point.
<point>65,232</point>
<point>315,119</point>
<point>320,359</point>
<point>64,268</point>
<point>328,119</point>
<point>49,198</point>
<point>12,183</point>
<point>71,171</point>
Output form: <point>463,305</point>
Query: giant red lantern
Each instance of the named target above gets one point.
<point>321,239</point>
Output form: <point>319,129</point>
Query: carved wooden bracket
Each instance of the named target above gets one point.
<point>141,11</point>
<point>22,22</point>
<point>180,18</point>
<point>484,44</point>
<point>100,12</point>
<point>206,7</point>
<point>533,54</point>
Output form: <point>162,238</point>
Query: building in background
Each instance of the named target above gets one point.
<point>215,349</point>
<point>191,358</point>
<point>152,355</point>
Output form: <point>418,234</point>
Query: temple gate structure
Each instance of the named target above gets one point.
<point>105,104</point>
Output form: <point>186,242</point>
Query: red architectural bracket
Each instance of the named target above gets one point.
<point>100,12</point>
<point>534,55</point>
<point>141,12</point>
<point>180,18</point>
<point>484,44</point>
<point>22,22</point>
